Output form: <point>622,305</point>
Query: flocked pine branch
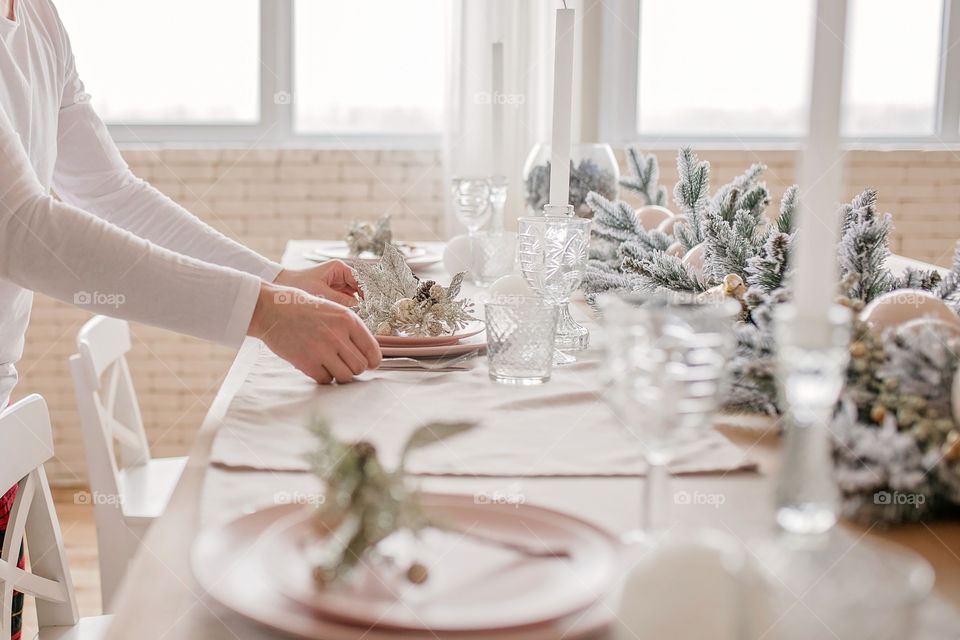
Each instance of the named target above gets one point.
<point>949,287</point>
<point>913,278</point>
<point>862,205</point>
<point>618,222</point>
<point>768,269</point>
<point>864,247</point>
<point>745,192</point>
<point>644,176</point>
<point>729,245</point>
<point>692,196</point>
<point>600,278</point>
<point>615,221</point>
<point>661,269</point>
<point>788,208</point>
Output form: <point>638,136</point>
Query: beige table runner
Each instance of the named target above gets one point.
<point>562,428</point>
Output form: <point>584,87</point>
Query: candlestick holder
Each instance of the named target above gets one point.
<point>552,251</point>
<point>850,586</point>
<point>812,357</point>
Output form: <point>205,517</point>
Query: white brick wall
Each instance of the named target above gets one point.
<point>263,197</point>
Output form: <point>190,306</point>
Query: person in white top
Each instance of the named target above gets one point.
<point>112,237</point>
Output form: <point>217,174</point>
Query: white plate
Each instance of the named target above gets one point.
<point>470,330</point>
<point>468,345</point>
<point>337,250</point>
<point>472,585</point>
<point>227,562</point>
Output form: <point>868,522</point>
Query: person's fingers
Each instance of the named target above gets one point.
<point>340,298</point>
<point>321,375</point>
<point>366,343</point>
<point>349,279</point>
<point>338,369</point>
<point>353,359</point>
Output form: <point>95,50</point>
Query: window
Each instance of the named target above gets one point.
<point>172,62</point>
<point>748,77</point>
<point>395,77</point>
<point>893,64</point>
<point>740,68</point>
<point>263,71</point>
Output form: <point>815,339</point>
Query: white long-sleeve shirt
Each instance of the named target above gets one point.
<point>114,245</point>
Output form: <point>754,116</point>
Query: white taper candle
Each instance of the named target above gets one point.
<point>498,104</point>
<point>562,101</point>
<point>816,275</point>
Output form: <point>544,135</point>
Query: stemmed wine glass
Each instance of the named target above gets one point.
<point>553,256</point>
<point>471,201</point>
<point>665,357</point>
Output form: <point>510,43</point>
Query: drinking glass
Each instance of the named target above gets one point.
<point>665,358</point>
<point>552,251</point>
<point>471,201</point>
<point>520,339</point>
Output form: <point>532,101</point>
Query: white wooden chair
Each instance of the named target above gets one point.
<point>129,488</point>
<point>27,443</point>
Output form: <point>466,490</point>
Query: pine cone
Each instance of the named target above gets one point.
<point>423,291</point>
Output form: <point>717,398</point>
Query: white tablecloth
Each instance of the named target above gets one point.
<point>561,428</point>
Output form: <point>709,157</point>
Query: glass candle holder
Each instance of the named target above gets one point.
<point>811,369</point>
<point>552,251</point>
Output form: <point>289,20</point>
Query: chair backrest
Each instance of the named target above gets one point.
<point>26,442</point>
<point>109,411</point>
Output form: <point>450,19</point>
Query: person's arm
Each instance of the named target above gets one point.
<point>70,254</point>
<point>73,256</point>
<point>91,174</point>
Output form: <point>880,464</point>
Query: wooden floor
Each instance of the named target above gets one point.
<point>80,540</point>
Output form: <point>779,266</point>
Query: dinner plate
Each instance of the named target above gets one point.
<point>472,585</point>
<point>467,345</point>
<point>429,341</point>
<point>227,563</point>
<point>337,250</point>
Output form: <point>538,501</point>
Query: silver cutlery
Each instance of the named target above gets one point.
<point>455,363</point>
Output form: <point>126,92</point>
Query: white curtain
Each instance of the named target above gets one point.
<point>525,27</point>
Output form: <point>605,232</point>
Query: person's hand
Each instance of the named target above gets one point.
<point>332,280</point>
<point>321,338</point>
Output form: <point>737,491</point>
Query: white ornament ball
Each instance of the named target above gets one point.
<point>694,259</point>
<point>655,598</point>
<point>667,225</point>
<point>652,215</point>
<point>457,255</point>
<point>941,326</point>
<point>897,307</point>
<point>512,285</point>
<point>676,249</point>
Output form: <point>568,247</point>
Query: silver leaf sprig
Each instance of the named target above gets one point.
<point>363,237</point>
<point>397,302</point>
<point>364,502</point>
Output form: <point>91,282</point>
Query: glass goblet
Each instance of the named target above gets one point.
<point>665,376</point>
<point>552,251</point>
<point>471,201</point>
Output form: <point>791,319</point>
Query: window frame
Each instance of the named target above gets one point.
<point>620,79</point>
<point>275,125</point>
<point>616,110</point>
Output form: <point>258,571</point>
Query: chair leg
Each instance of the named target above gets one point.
<point>115,556</point>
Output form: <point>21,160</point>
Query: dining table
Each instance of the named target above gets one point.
<point>554,445</point>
